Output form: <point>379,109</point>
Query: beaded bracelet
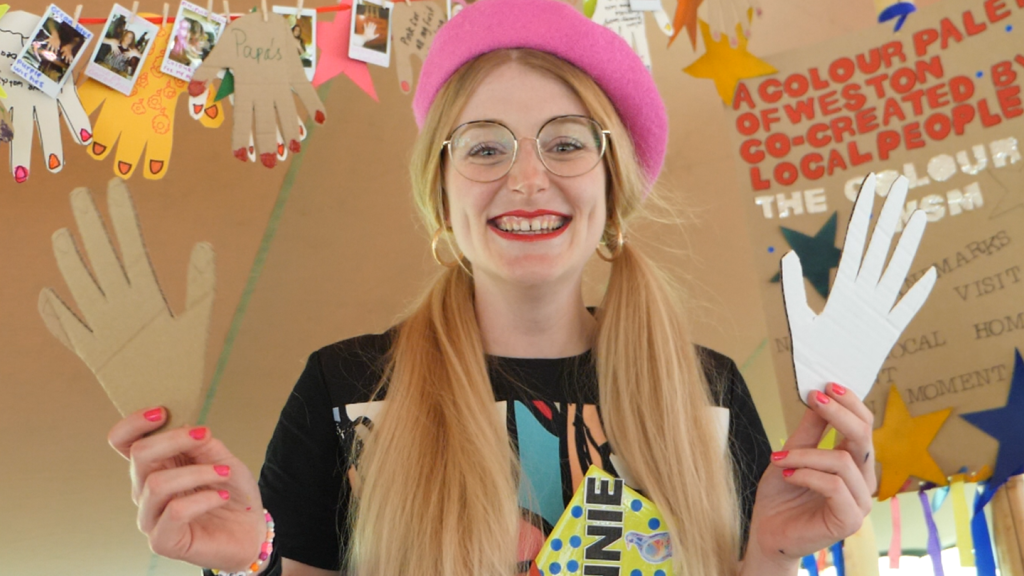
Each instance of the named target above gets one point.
<point>265,550</point>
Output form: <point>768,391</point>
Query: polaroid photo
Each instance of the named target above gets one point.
<point>54,48</point>
<point>121,50</point>
<point>303,29</point>
<point>456,6</point>
<point>370,33</point>
<point>195,33</point>
<point>645,5</point>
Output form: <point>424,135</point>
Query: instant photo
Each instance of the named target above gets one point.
<point>196,32</point>
<point>54,48</point>
<point>121,50</point>
<point>303,30</point>
<point>370,39</point>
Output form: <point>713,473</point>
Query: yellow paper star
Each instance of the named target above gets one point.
<point>3,9</point>
<point>727,65</point>
<point>901,446</point>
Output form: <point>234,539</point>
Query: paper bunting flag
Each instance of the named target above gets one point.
<point>266,81</point>
<point>32,110</point>
<point>897,10</point>
<point>144,119</point>
<point>1006,425</point>
<point>850,339</point>
<point>620,530</point>
<point>414,25</point>
<point>726,65</point>
<point>332,38</point>
<point>901,446</point>
<point>141,354</point>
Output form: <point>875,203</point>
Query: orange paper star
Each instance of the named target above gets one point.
<point>901,446</point>
<point>686,17</point>
<point>726,65</point>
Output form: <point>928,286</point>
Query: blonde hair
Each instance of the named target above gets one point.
<point>439,478</point>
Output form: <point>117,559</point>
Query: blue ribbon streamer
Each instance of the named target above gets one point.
<point>811,565</point>
<point>934,546</point>
<point>984,559</point>
<point>899,12</point>
<point>837,558</point>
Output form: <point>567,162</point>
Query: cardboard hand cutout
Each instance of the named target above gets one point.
<point>629,24</point>
<point>30,109</point>
<point>142,354</point>
<point>266,74</point>
<point>145,118</point>
<point>848,342</point>
<point>414,26</point>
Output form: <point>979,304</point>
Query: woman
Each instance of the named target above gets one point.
<point>541,134</point>
<point>119,54</point>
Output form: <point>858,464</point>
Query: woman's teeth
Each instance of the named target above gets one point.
<point>539,225</point>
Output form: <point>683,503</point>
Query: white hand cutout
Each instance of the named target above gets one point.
<point>848,342</point>
<point>142,355</point>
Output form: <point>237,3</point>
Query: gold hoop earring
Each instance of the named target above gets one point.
<point>433,250</point>
<point>620,242</point>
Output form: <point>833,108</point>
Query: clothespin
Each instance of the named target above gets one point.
<point>209,9</point>
<point>227,11</point>
<point>298,10</point>
<point>78,12</point>
<point>135,11</point>
<point>263,8</point>
<point>163,19</point>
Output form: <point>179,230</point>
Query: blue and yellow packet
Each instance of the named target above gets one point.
<point>608,529</point>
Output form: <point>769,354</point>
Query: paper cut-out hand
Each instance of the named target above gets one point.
<point>414,27</point>
<point>629,24</point>
<point>266,75</point>
<point>144,119</point>
<point>730,17</point>
<point>141,353</point>
<point>31,109</point>
<point>848,342</point>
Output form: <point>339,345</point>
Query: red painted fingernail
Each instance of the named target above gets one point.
<point>223,494</point>
<point>788,472</point>
<point>20,174</point>
<point>405,86</point>
<point>319,117</point>
<point>776,456</point>
<point>839,390</point>
<point>821,397</point>
<point>222,470</point>
<point>198,433</point>
<point>295,147</point>
<point>195,88</point>
<point>241,155</point>
<point>154,415</point>
<point>86,136</point>
<point>268,159</point>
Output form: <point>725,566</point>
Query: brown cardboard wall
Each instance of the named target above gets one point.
<point>308,254</point>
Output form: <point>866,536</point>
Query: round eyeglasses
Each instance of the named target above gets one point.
<point>568,146</point>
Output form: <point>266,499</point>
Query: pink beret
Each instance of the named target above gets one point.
<point>557,28</point>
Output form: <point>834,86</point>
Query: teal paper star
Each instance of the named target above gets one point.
<point>818,254</point>
<point>1005,425</point>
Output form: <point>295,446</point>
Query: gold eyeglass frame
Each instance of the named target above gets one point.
<point>605,136</point>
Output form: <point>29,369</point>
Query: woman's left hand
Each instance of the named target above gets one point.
<point>809,499</point>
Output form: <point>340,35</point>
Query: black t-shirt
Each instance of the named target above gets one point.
<point>550,406</point>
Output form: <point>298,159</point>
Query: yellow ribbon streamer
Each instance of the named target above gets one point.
<point>962,521</point>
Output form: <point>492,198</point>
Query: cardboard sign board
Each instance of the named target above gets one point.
<point>939,103</point>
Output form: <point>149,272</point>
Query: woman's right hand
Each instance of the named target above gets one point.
<point>197,501</point>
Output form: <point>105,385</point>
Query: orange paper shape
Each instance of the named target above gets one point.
<point>332,39</point>
<point>686,17</point>
<point>142,120</point>
<point>901,446</point>
<point>726,65</point>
